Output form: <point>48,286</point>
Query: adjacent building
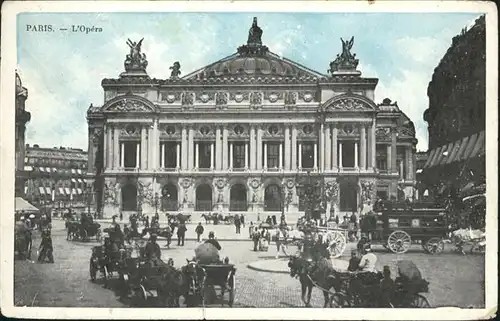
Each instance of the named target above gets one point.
<point>456,113</point>
<point>238,134</point>
<point>22,117</point>
<point>56,177</point>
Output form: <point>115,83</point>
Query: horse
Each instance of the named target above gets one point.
<point>312,274</point>
<point>209,217</point>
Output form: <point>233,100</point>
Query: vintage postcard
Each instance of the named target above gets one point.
<point>249,160</point>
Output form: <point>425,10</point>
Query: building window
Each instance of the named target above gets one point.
<point>204,156</point>
<point>348,154</point>
<point>273,155</point>
<point>238,155</point>
<point>130,157</point>
<point>400,161</point>
<point>170,155</point>
<point>381,158</point>
<point>307,155</point>
<point>203,198</point>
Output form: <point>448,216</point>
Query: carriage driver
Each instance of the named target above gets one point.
<point>368,260</point>
<point>152,251</point>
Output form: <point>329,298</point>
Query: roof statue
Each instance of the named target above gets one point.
<point>135,60</point>
<point>346,61</point>
<point>254,34</point>
<point>176,70</point>
<point>254,43</point>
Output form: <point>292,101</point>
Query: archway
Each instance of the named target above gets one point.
<point>238,198</point>
<point>204,198</point>
<point>129,197</point>
<point>272,198</point>
<point>169,200</point>
<point>348,194</point>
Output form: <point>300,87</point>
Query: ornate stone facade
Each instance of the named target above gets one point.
<point>231,137</point>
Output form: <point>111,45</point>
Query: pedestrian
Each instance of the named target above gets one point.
<point>255,237</point>
<point>199,231</point>
<point>181,234</point>
<point>237,223</point>
<point>146,223</point>
<point>168,232</point>
<point>242,219</point>
<point>250,230</point>
<point>121,216</point>
<point>46,250</point>
<point>280,238</point>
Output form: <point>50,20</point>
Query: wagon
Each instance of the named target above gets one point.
<point>219,277</point>
<point>334,237</point>
<point>106,262</point>
<point>77,231</point>
<point>398,226</point>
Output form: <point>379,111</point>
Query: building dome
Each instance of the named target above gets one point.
<point>253,65</point>
<point>19,83</point>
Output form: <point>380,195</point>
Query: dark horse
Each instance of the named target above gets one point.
<point>312,273</point>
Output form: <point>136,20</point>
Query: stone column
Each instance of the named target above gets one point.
<point>109,151</point>
<point>321,151</point>
<point>389,158</point>
<point>300,155</point>
<point>259,148</point>
<point>184,148</point>
<point>190,148</point>
<point>408,163</point>
<point>265,155</point>
<point>413,163</point>
<point>231,146</point>
<point>356,155</point>
<point>340,155</point>
<point>287,147</point>
<point>116,148</point>
<point>177,155</point>
<point>196,155</point>
<point>218,151</point>
<point>122,155</point>
<point>334,147</point>
<point>246,155</point>
<point>155,138</point>
<point>162,155</point>
<point>362,146</point>
<point>144,149</point>
<point>315,155</point>
<point>137,155</point>
<point>294,149</point>
<point>150,146</point>
<point>393,148</point>
<point>212,155</point>
<point>224,148</point>
<point>252,148</point>
<point>280,161</point>
<point>328,148</point>
<point>373,145</point>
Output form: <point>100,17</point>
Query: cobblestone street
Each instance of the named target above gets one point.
<point>455,280</point>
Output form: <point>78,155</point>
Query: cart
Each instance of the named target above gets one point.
<point>336,239</point>
<point>219,277</point>
<point>106,262</point>
<point>397,226</point>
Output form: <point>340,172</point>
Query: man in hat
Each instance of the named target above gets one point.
<point>181,234</point>
<point>354,261</point>
<point>46,249</point>
<point>213,241</point>
<point>152,251</point>
<point>199,231</point>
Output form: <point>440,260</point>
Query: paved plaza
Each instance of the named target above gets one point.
<point>455,280</point>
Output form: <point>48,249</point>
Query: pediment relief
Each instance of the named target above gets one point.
<point>349,102</point>
<point>129,103</point>
<point>167,130</point>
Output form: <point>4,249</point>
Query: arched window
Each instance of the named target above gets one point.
<point>203,198</point>
<point>238,198</point>
<point>129,197</point>
<point>169,200</point>
<point>272,198</point>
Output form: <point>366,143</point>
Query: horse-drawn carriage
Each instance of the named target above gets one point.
<point>219,277</point>
<point>107,259</point>
<point>334,237</point>
<point>378,290</point>
<point>76,230</point>
<point>397,226</point>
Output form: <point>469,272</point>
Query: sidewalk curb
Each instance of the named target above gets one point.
<point>251,266</point>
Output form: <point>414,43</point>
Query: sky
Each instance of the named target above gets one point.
<point>63,70</point>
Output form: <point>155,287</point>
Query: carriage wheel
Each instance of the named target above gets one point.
<point>418,301</point>
<point>83,235</point>
<point>232,291</point>
<point>399,242</point>
<point>434,245</point>
<point>106,276</point>
<point>337,243</point>
<point>141,291</point>
<point>339,300</point>
<point>98,236</point>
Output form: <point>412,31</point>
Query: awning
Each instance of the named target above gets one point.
<point>25,190</point>
<point>465,148</point>
<point>81,181</point>
<point>48,190</point>
<point>41,169</point>
<point>73,171</point>
<point>54,169</point>
<point>73,191</point>
<point>22,205</point>
<point>79,171</point>
<point>48,169</point>
<point>73,180</point>
<point>66,190</point>
<point>61,191</point>
<point>28,168</point>
<point>41,190</point>
<point>79,190</point>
